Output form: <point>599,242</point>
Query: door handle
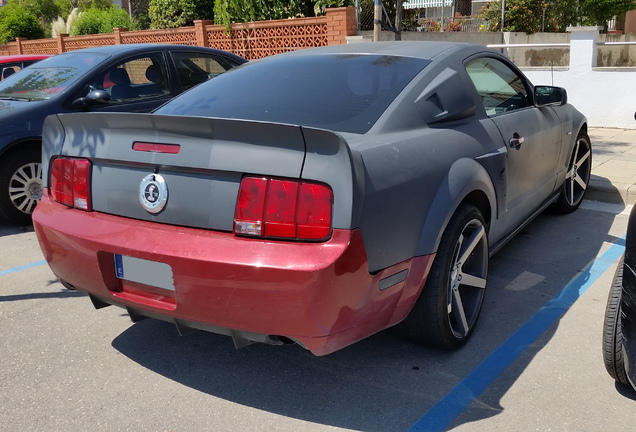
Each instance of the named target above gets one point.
<point>516,141</point>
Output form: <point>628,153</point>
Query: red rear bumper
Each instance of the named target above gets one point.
<point>317,294</point>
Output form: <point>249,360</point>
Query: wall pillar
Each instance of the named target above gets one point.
<point>61,47</point>
<point>583,48</point>
<point>630,22</point>
<point>341,22</point>
<point>117,33</point>
<point>200,32</point>
<point>18,43</point>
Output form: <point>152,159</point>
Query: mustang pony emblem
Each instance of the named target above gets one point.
<point>153,193</point>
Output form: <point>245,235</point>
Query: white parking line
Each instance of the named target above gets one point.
<point>606,207</point>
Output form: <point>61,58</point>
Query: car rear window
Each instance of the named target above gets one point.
<point>346,93</point>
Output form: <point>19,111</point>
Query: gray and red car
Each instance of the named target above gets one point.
<point>315,197</point>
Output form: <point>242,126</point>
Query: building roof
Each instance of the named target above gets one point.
<point>416,4</point>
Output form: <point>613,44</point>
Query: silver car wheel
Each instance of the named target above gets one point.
<point>578,175</point>
<point>467,278</point>
<point>25,187</point>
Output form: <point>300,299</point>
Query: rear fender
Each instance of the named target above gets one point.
<point>52,143</point>
<point>464,178</point>
<point>330,160</point>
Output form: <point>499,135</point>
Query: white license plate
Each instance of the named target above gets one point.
<point>143,271</point>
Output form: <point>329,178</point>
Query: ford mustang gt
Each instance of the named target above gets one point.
<point>315,197</point>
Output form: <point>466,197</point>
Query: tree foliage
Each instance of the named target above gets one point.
<point>45,10</point>
<point>139,13</point>
<point>84,5</point>
<point>324,4</point>
<point>94,21</point>
<point>172,13</point>
<point>562,14</point>
<point>532,16</point>
<point>18,22</point>
<point>229,11</point>
<point>521,15</point>
<point>599,12</point>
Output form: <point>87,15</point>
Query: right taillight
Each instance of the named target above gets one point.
<point>281,208</point>
<point>69,182</point>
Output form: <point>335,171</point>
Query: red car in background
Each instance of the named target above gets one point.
<point>15,63</point>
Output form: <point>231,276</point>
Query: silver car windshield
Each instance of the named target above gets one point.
<point>50,77</point>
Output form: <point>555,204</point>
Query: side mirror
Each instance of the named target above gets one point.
<point>93,98</point>
<point>549,95</point>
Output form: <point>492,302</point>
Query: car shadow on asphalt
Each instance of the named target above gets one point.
<point>625,390</point>
<point>8,229</point>
<point>384,383</point>
<point>45,295</point>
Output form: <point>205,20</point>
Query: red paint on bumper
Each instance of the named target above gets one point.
<point>318,294</point>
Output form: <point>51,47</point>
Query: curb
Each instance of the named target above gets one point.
<point>602,189</point>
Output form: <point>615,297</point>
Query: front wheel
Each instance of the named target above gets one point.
<point>20,185</point>
<point>577,177</point>
<point>446,312</point>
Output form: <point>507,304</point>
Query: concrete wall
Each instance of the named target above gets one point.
<point>484,38</point>
<point>537,56</point>
<point>604,95</point>
<point>608,56</point>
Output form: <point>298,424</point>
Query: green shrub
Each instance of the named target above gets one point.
<point>171,13</point>
<point>94,21</point>
<point>17,22</point>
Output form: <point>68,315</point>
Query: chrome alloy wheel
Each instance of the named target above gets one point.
<point>25,187</point>
<point>578,175</point>
<point>467,278</point>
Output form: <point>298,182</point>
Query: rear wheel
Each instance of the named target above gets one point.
<point>612,330</point>
<point>577,177</point>
<point>20,185</point>
<point>446,312</point>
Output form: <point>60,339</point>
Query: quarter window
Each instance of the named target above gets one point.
<point>195,68</point>
<point>499,87</point>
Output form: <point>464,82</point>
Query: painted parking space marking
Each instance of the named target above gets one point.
<point>459,398</point>
<point>617,209</point>
<point>23,267</point>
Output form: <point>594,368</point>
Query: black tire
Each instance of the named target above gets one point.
<point>612,330</point>
<point>577,177</point>
<point>446,312</point>
<point>20,185</point>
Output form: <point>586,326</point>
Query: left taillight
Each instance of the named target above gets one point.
<point>69,182</point>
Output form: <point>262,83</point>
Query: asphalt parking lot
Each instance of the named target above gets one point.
<point>534,362</point>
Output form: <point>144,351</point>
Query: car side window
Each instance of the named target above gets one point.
<point>135,79</point>
<point>499,87</point>
<point>9,69</point>
<point>194,68</point>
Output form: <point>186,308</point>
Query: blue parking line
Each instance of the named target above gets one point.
<point>23,267</point>
<point>454,403</point>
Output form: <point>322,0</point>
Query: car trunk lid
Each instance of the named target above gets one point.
<point>201,161</point>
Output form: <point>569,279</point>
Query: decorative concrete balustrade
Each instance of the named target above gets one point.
<point>250,40</point>
<point>603,94</point>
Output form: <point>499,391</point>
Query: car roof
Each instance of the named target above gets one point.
<point>123,50</point>
<point>416,49</point>
<point>23,57</point>
<point>131,48</point>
